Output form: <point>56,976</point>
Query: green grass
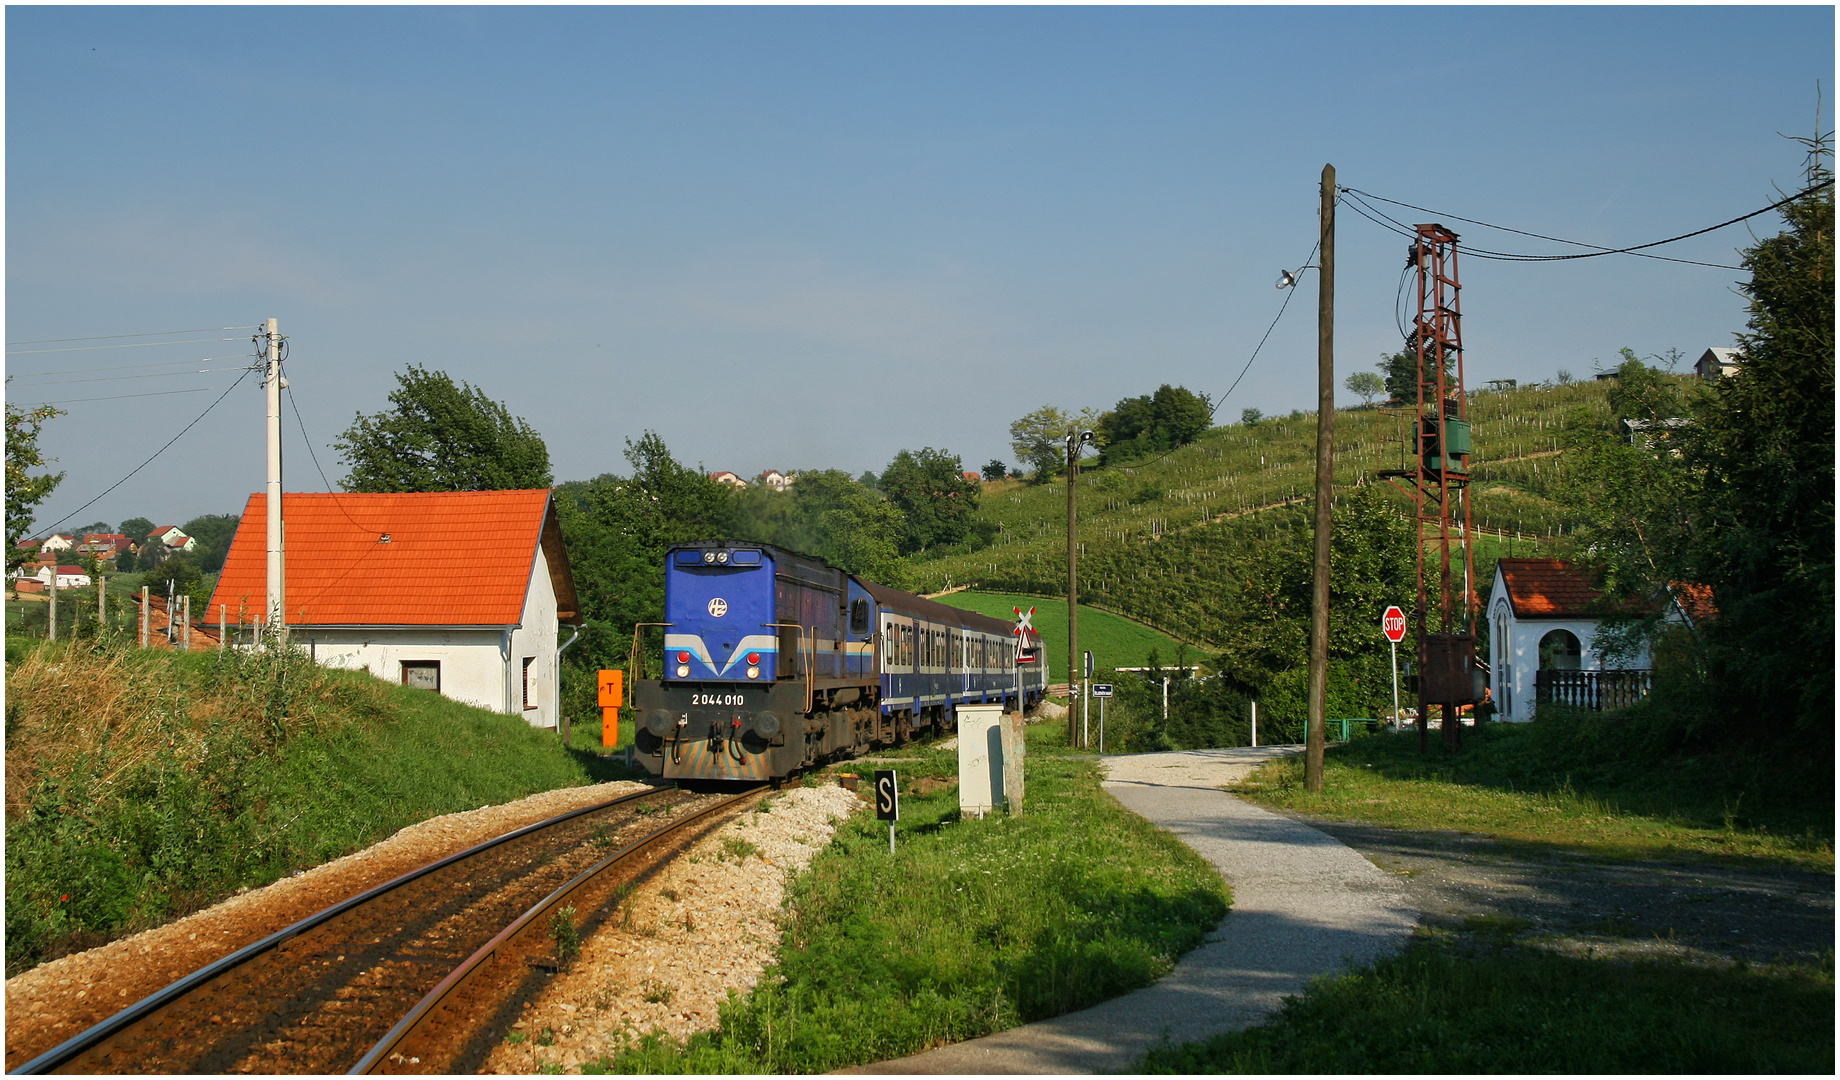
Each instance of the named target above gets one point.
<point>1537,784</point>
<point>970,928</point>
<point>1480,1002</point>
<point>143,784</point>
<point>1114,640</point>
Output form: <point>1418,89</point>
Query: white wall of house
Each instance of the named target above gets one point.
<point>481,666</point>
<point>1514,653</point>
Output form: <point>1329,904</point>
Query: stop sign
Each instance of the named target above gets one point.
<point>1394,624</point>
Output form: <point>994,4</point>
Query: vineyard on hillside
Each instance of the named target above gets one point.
<point>1171,540</point>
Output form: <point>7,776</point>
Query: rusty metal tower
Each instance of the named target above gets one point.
<point>1439,487</point>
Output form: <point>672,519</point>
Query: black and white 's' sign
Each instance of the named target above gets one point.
<point>887,796</point>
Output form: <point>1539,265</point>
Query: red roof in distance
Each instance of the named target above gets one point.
<point>449,558</point>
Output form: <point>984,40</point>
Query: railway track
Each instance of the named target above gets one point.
<point>420,974</point>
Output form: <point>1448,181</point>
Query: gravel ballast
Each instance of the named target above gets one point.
<point>707,924</point>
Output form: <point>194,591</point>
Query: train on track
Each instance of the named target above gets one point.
<point>775,661</point>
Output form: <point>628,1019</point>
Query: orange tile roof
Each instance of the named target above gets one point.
<point>1549,589</point>
<point>1555,589</point>
<point>454,558</point>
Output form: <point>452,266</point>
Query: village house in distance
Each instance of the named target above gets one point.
<point>459,592</point>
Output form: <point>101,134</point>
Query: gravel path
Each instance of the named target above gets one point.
<point>1303,905</point>
<point>1583,905</point>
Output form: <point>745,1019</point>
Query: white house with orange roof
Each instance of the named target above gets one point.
<point>377,581</point>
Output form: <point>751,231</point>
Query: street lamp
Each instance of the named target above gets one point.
<point>1076,441</point>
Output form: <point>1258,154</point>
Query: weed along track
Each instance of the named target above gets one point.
<point>415,975</point>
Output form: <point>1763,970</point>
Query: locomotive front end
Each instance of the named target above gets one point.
<point>720,711</point>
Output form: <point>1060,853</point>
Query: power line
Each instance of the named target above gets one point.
<point>150,333</point>
<point>93,348</point>
<point>123,367</point>
<point>304,437</point>
<point>126,378</point>
<point>118,397</point>
<point>207,411</point>
<point>1386,221</point>
<point>1635,249</point>
<point>1222,400</point>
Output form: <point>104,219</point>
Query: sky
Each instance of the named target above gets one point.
<point>802,238</point>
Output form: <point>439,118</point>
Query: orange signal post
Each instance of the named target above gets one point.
<point>612,687</point>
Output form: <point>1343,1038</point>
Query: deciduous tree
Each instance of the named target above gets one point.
<point>439,436</point>
<point>25,489</point>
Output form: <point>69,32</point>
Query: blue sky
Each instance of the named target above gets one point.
<point>812,237</point>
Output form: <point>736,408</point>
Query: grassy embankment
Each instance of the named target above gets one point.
<point>971,927</point>
<point>1114,640</point>
<point>144,784</point>
<point>1161,538</point>
<point>1488,998</point>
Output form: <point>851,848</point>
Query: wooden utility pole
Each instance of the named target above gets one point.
<point>102,611</point>
<point>1325,489</point>
<point>1073,584</point>
<point>145,607</point>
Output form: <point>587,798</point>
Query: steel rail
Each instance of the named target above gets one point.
<point>424,1009</point>
<point>140,1010</point>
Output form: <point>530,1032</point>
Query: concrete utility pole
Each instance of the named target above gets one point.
<point>277,582</point>
<point>145,606</point>
<point>1325,489</point>
<point>51,627</point>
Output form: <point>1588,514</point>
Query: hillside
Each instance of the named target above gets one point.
<point>1158,540</point>
<point>1114,640</point>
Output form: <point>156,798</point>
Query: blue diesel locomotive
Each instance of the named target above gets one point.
<point>774,661</point>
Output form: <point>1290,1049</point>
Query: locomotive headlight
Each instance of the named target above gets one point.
<point>709,556</point>
<point>767,724</point>
<point>753,673</point>
<point>683,671</point>
<point>658,722</point>
<point>721,556</point>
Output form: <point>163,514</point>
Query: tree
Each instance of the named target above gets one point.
<point>1039,439</point>
<point>1250,416</point>
<point>1365,385</point>
<point>213,533</point>
<point>136,529</point>
<point>442,437</point>
<point>615,531</point>
<point>125,561</point>
<point>1399,374</point>
<point>1763,444</point>
<point>995,470</point>
<point>24,491</point>
<point>1153,423</point>
<point>935,500</point>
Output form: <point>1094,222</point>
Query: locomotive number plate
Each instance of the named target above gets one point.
<point>718,699</point>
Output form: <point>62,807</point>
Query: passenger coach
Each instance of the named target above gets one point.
<point>775,660</point>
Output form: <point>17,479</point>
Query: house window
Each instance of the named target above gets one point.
<point>527,702</point>
<point>422,674</point>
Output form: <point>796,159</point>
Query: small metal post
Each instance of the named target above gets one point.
<point>1255,724</point>
<point>891,838</point>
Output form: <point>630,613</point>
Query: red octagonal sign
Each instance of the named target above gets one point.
<point>1394,623</point>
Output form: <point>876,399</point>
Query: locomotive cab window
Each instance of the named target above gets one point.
<point>859,616</point>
